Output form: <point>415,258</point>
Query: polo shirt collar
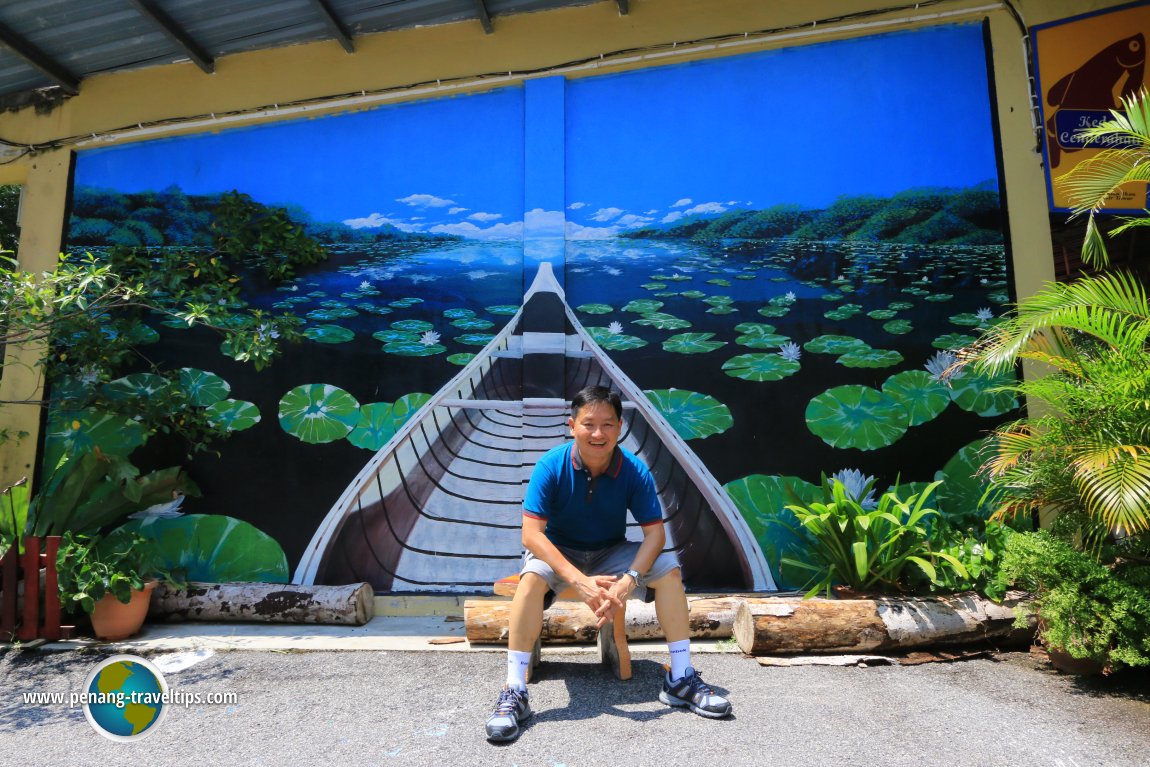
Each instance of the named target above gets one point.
<point>613,466</point>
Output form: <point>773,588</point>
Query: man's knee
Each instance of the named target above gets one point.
<point>532,586</point>
<point>672,578</point>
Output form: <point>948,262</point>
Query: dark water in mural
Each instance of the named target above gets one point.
<point>285,486</point>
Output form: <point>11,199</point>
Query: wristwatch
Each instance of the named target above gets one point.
<point>634,575</point>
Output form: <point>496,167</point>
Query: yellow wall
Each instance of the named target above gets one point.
<point>262,86</point>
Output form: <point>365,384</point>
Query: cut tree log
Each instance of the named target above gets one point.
<point>352,605</point>
<point>564,622</point>
<point>786,625</point>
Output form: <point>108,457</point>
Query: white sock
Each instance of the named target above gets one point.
<point>517,665</point>
<point>680,657</point>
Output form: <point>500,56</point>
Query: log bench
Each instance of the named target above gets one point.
<point>612,638</point>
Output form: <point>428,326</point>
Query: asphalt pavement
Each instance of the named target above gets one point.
<point>419,708</point>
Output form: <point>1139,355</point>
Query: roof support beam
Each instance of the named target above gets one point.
<point>174,32</point>
<point>484,16</point>
<point>623,7</point>
<point>334,25</point>
<point>43,63</point>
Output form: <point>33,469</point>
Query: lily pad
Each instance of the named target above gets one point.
<point>643,306</point>
<point>900,306</point>
<point>749,328</point>
<point>654,286</point>
<point>662,321</point>
<point>775,311</point>
<point>78,431</point>
<point>392,336</point>
<point>475,339</point>
<point>962,494</point>
<point>461,359</point>
<point>503,309</point>
<point>692,415</point>
<point>898,327</point>
<point>374,308</point>
<point>379,421</point>
<point>327,315</point>
<point>718,300</point>
<point>203,388</point>
<point>212,548</point>
<point>595,309</point>
<point>858,417</point>
<point>952,341</point>
<point>870,358</point>
<point>762,340</point>
<point>615,341</point>
<point>458,314</point>
<point>412,326</point>
<point>720,282</point>
<point>405,303</point>
<point>329,334</point>
<point>232,414</point>
<point>692,343</point>
<point>760,367</point>
<point>976,393</point>
<point>141,385</point>
<point>918,391</point>
<point>966,319</point>
<point>414,349</point>
<point>692,294</point>
<point>844,312</point>
<point>762,501</point>
<point>318,413</point>
<point>939,297</point>
<point>882,314</point>
<point>835,344</point>
<point>473,323</point>
<point>722,309</point>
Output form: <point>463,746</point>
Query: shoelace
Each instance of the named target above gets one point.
<point>508,701</point>
<point>698,686</point>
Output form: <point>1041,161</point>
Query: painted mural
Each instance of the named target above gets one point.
<point>770,255</point>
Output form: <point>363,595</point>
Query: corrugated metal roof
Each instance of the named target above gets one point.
<point>55,44</point>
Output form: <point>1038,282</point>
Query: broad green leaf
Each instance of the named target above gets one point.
<point>692,343</point>
<point>203,388</point>
<point>318,413</point>
<point>858,417</point>
<point>329,334</point>
<point>232,415</point>
<point>692,415</point>
<point>760,367</point>
<point>923,397</point>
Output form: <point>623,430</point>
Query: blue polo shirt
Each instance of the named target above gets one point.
<point>586,514</point>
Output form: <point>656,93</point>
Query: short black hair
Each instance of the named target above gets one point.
<point>591,395</point>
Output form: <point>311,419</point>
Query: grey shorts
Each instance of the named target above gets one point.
<point>609,561</point>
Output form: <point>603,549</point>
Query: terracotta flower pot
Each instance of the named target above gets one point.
<point>112,619</point>
<point>1068,664</point>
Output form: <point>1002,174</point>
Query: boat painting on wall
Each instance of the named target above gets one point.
<point>775,302</point>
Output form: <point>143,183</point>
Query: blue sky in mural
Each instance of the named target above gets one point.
<point>875,115</point>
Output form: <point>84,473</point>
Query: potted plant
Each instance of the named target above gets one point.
<point>111,579</point>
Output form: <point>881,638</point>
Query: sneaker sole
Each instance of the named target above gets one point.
<point>513,736</point>
<point>677,702</point>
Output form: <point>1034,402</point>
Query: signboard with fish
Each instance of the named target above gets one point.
<point>1085,66</point>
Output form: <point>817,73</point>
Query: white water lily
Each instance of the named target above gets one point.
<point>984,314</point>
<point>790,297</point>
<point>939,365</point>
<point>365,285</point>
<point>429,338</point>
<point>89,376</point>
<point>615,328</point>
<point>790,351</point>
<point>856,485</point>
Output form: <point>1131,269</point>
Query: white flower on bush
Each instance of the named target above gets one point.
<point>429,338</point>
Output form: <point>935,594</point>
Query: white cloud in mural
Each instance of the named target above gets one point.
<point>682,202</point>
<point>732,202</point>
<point>425,201</point>
<point>376,220</point>
<point>632,220</point>
<point>453,211</point>
<point>606,214</point>
<point>707,207</point>
<point>578,232</point>
<point>481,216</point>
<point>576,205</point>
<point>544,224</point>
<point>672,217</point>
<point>469,230</point>
<point>651,212</point>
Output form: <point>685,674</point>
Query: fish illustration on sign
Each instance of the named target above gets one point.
<point>1087,94</point>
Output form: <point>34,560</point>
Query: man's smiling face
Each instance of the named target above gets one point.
<point>596,431</point>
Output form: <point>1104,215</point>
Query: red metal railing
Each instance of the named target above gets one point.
<point>32,624</point>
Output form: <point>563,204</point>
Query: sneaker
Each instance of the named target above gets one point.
<point>691,691</point>
<point>511,709</point>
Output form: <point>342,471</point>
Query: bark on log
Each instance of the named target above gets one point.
<point>485,620</point>
<point>351,605</point>
<point>765,626</point>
